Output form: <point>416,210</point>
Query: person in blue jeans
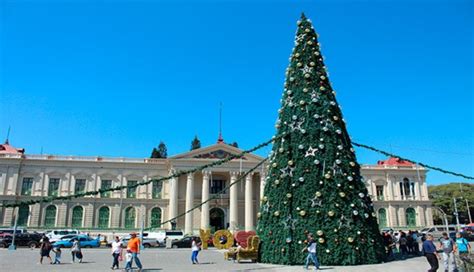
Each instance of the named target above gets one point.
<point>462,247</point>
<point>195,247</point>
<point>312,256</point>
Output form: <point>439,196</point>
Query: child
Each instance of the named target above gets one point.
<point>128,258</point>
<point>57,256</point>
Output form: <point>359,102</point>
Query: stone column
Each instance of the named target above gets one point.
<point>233,211</point>
<point>205,196</point>
<point>390,195</point>
<point>262,184</point>
<point>173,204</point>
<point>417,191</point>
<point>188,220</point>
<point>249,224</point>
<point>424,192</point>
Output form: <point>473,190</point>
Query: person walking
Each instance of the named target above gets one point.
<point>195,248</point>
<point>447,245</point>
<point>45,249</point>
<point>462,248</point>
<point>57,255</point>
<point>403,245</point>
<point>116,252</point>
<point>134,248</point>
<point>430,253</point>
<point>312,256</point>
<point>76,251</point>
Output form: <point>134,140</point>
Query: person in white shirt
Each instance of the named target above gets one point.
<point>311,248</point>
<point>116,252</point>
<point>195,247</point>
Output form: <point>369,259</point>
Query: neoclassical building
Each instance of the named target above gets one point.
<point>398,189</point>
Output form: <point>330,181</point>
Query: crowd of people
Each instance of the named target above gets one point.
<point>398,245</point>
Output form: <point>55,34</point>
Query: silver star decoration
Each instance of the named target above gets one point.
<point>347,222</point>
<point>300,38</point>
<point>316,202</point>
<point>310,152</point>
<point>266,207</point>
<point>287,171</point>
<point>289,222</point>
<point>306,69</point>
<point>296,125</point>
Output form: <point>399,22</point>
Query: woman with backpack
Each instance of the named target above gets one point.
<point>45,249</point>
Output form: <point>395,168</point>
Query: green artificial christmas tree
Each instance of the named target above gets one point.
<point>314,183</point>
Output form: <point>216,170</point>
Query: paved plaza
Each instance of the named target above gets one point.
<point>176,260</point>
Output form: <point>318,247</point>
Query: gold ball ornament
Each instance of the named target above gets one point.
<point>259,215</point>
<point>299,64</point>
<point>321,240</point>
<point>350,239</point>
<point>276,213</point>
<point>312,63</point>
<point>327,176</point>
<point>290,162</point>
<point>305,90</point>
<point>342,194</point>
<point>303,213</point>
<point>276,182</point>
<point>320,233</point>
<point>264,198</point>
<point>302,102</point>
<point>289,195</point>
<point>307,75</point>
<point>318,194</point>
<point>307,30</point>
<point>274,164</point>
<point>331,213</point>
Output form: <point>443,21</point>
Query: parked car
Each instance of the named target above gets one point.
<point>437,231</point>
<point>10,230</point>
<point>185,242</point>
<point>31,240</point>
<point>173,235</point>
<point>146,242</point>
<point>84,241</point>
<point>56,235</point>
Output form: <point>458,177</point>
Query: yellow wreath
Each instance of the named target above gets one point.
<point>217,242</point>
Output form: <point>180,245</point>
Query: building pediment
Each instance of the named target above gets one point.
<point>218,151</point>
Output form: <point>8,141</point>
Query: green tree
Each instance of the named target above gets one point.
<point>195,144</point>
<point>162,150</point>
<point>442,197</point>
<point>159,153</point>
<point>314,183</point>
<point>154,153</point>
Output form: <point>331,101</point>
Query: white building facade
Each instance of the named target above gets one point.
<point>398,189</point>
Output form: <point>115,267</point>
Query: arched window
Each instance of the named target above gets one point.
<point>156,217</point>
<point>104,215</point>
<point>410,217</point>
<point>382,218</point>
<point>50,216</point>
<point>77,214</point>
<point>407,188</point>
<point>130,218</point>
<point>23,214</point>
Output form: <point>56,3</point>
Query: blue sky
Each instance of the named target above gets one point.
<point>113,78</point>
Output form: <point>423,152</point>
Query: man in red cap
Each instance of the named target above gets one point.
<point>134,247</point>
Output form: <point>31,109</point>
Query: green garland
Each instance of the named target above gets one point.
<point>415,162</point>
<point>214,196</point>
<point>118,188</point>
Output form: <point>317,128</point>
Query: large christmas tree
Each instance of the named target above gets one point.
<point>314,183</point>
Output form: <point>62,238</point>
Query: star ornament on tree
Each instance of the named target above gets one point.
<point>297,125</point>
<point>311,152</point>
<point>289,222</point>
<point>306,69</point>
<point>316,202</point>
<point>300,38</point>
<point>287,171</point>
<point>266,207</point>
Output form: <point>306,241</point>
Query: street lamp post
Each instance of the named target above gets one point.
<point>456,213</point>
<point>445,218</point>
